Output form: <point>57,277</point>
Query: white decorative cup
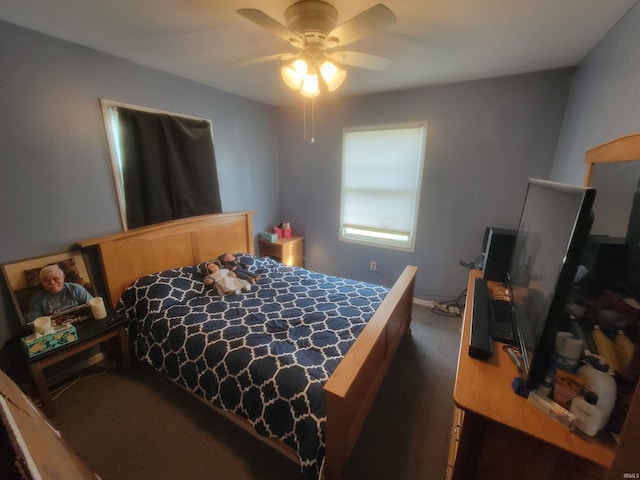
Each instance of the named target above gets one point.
<point>98,309</point>
<point>42,325</point>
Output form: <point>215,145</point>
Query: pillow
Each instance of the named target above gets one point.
<point>32,277</point>
<point>153,293</point>
<point>68,266</point>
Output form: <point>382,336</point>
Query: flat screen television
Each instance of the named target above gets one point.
<point>554,225</point>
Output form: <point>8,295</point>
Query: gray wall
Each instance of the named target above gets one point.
<point>56,183</point>
<point>605,98</point>
<point>604,105</point>
<point>485,140</point>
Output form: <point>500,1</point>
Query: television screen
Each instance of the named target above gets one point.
<point>554,225</point>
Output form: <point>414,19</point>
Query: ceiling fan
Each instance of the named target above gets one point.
<point>312,29</point>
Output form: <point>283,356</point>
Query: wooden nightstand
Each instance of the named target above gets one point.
<point>285,250</point>
<point>112,329</point>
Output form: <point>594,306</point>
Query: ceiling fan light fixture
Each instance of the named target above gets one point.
<point>310,86</point>
<point>311,27</point>
<point>291,78</point>
<point>332,75</point>
<point>294,74</point>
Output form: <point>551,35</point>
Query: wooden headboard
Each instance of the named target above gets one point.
<point>129,255</point>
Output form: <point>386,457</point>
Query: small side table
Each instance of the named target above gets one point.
<point>91,332</point>
<point>285,250</point>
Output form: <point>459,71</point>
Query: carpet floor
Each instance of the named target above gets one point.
<point>138,425</point>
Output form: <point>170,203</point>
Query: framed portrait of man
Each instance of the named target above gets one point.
<point>23,280</point>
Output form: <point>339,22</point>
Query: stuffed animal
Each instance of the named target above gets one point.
<point>229,261</point>
<point>224,280</point>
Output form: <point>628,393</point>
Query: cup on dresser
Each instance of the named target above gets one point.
<point>42,325</point>
<point>98,309</point>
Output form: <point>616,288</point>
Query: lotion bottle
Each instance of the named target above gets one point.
<point>588,414</point>
<point>600,382</point>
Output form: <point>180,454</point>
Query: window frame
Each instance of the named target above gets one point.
<point>375,237</point>
<point>114,147</point>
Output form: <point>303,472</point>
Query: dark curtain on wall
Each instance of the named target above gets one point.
<point>169,167</point>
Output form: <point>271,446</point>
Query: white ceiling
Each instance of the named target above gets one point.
<point>432,41</point>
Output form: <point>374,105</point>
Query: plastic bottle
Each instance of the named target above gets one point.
<point>567,352</point>
<point>588,413</point>
<point>605,347</point>
<point>546,387</point>
<point>624,350</point>
<point>598,380</point>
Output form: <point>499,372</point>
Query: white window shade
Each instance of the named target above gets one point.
<point>381,180</point>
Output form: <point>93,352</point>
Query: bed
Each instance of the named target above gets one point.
<point>153,275</point>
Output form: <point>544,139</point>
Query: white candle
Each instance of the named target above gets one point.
<point>98,309</point>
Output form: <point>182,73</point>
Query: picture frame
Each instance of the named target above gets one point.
<point>22,278</point>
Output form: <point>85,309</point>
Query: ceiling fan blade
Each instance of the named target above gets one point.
<point>374,18</point>
<point>265,21</point>
<point>268,58</point>
<point>360,60</point>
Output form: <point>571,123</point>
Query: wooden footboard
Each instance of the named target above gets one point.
<point>353,386</point>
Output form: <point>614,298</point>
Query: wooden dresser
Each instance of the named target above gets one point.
<point>498,434</point>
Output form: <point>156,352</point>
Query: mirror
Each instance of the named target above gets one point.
<point>614,170</point>
<point>616,184</point>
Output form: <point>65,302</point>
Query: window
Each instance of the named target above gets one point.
<point>164,164</point>
<point>381,181</point>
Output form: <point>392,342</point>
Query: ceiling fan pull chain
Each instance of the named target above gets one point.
<point>313,123</point>
<point>304,117</point>
<point>312,139</point>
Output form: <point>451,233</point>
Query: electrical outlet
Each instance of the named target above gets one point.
<point>373,266</point>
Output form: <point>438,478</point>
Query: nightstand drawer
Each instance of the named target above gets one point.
<point>285,250</point>
<point>270,249</point>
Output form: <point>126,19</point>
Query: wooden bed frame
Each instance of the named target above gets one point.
<point>352,388</point>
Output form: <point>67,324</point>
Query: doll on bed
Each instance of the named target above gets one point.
<point>224,280</point>
<point>229,261</point>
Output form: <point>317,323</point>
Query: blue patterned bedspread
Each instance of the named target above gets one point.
<point>263,355</point>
